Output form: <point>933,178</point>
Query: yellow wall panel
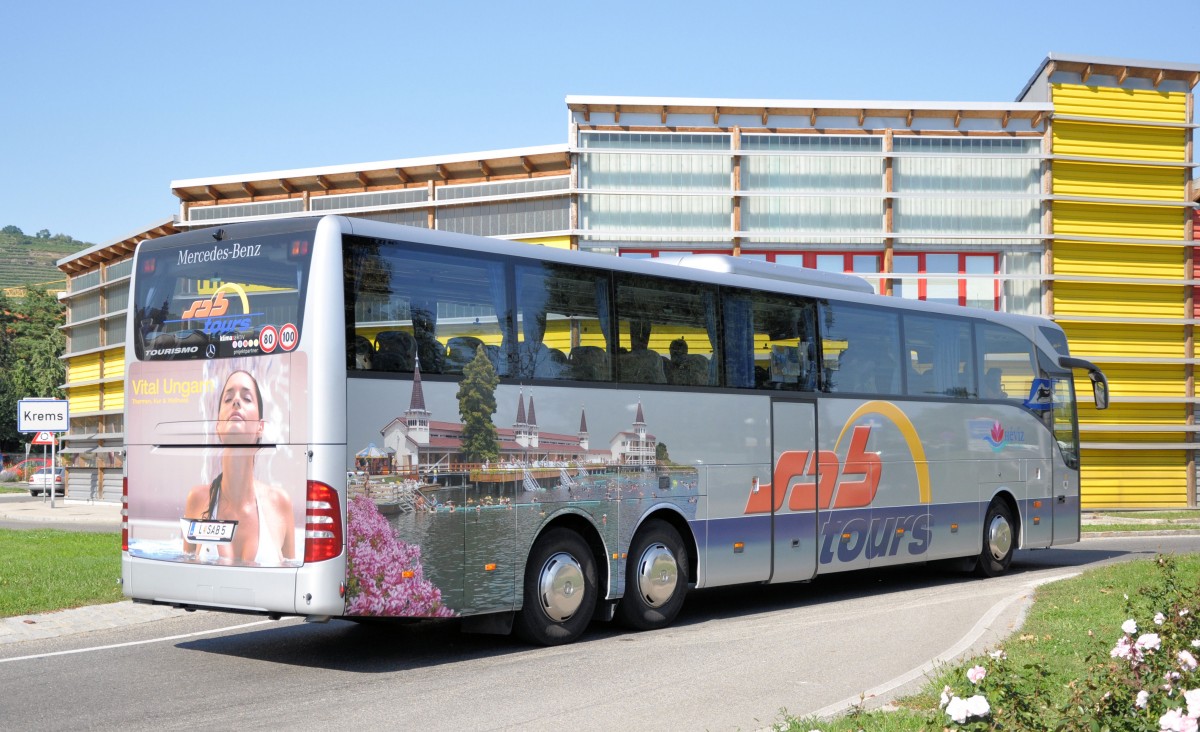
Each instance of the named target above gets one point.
<point>1143,379</point>
<point>1097,140</point>
<point>1118,181</point>
<point>554,242</point>
<point>1114,103</point>
<point>1117,220</point>
<point>1118,300</point>
<point>83,368</point>
<point>1125,413</point>
<point>114,363</point>
<point>1133,478</point>
<point>1117,260</point>
<point>1097,340</point>
<point>114,396</point>
<point>83,399</point>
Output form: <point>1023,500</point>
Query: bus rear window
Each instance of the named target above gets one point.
<point>218,299</point>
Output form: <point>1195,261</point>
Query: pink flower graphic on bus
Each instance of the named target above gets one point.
<point>384,574</point>
<point>995,437</point>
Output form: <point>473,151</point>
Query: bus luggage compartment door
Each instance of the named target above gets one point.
<point>793,491</point>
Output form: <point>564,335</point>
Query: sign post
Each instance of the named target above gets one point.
<point>45,417</point>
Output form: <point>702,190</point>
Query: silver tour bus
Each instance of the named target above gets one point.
<point>334,417</point>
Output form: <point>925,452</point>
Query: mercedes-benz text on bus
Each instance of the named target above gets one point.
<point>334,417</point>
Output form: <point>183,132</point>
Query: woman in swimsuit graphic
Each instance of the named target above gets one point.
<point>263,512</point>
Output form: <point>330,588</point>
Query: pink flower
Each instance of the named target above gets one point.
<point>977,706</point>
<point>1148,642</point>
<point>1187,661</point>
<point>998,654</point>
<point>1175,721</point>
<point>1129,626</point>
<point>1143,697</point>
<point>975,674</point>
<point>1193,702</point>
<point>947,695</point>
<point>1124,649</point>
<point>1159,618</point>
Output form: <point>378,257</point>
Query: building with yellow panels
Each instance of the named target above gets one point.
<point>1072,202</point>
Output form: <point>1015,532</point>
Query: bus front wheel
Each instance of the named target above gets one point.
<point>999,540</point>
<point>656,578</point>
<point>560,589</point>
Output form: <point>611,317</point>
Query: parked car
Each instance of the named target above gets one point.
<point>44,477</point>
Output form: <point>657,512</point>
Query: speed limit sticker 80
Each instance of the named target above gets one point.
<point>267,338</point>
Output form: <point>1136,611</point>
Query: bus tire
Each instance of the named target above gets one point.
<point>656,578</point>
<point>560,589</point>
<point>999,540</point>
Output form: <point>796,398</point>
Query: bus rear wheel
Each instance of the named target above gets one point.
<point>999,540</point>
<point>560,589</point>
<point>656,578</point>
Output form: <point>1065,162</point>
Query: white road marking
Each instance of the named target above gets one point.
<point>137,643</point>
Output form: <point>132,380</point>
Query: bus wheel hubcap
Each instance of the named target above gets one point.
<point>560,586</point>
<point>658,574</point>
<point>999,537</point>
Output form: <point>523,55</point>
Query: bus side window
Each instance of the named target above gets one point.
<point>666,332</point>
<point>563,323</point>
<point>406,304</point>
<point>770,341</point>
<point>861,347</point>
<point>940,361</point>
<point>1005,362</point>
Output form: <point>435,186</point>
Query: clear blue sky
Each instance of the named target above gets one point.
<point>104,104</point>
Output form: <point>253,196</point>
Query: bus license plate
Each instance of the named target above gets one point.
<point>210,531</point>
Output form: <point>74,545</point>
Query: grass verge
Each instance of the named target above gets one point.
<point>43,570</point>
<point>1094,528</point>
<point>1070,624</point>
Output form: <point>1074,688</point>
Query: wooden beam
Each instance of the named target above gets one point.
<point>403,176</point>
<point>716,116</point>
<point>528,166</point>
<point>287,186</point>
<point>183,195</point>
<point>1195,79</point>
<point>1085,74</point>
<point>443,173</point>
<point>957,119</point>
<point>484,170</point>
<point>324,183</point>
<point>1036,121</point>
<point>764,116</point>
<point>862,117</point>
<point>663,114</point>
<point>1121,77</point>
<point>216,195</point>
<point>587,114</point>
<point>362,179</point>
<point>249,189</point>
<point>812,118</point>
<point>1005,118</point>
<point>617,114</point>
<point>908,119</point>
<point>1158,78</point>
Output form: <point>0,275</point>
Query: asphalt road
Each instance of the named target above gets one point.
<point>731,661</point>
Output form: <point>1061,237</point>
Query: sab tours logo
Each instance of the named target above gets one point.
<point>819,480</point>
<point>213,312</point>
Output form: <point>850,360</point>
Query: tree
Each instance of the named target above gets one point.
<point>476,405</point>
<point>43,234</point>
<point>30,345</point>
<point>13,230</point>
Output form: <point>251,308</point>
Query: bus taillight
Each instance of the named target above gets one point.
<point>124,514</point>
<point>322,523</point>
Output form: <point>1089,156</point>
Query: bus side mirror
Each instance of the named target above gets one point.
<point>1099,382</point>
<point>1099,389</point>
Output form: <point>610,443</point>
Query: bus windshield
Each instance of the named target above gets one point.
<point>218,299</point>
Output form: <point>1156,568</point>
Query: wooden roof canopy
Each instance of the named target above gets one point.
<point>90,259</point>
<point>716,109</point>
<point>415,172</point>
